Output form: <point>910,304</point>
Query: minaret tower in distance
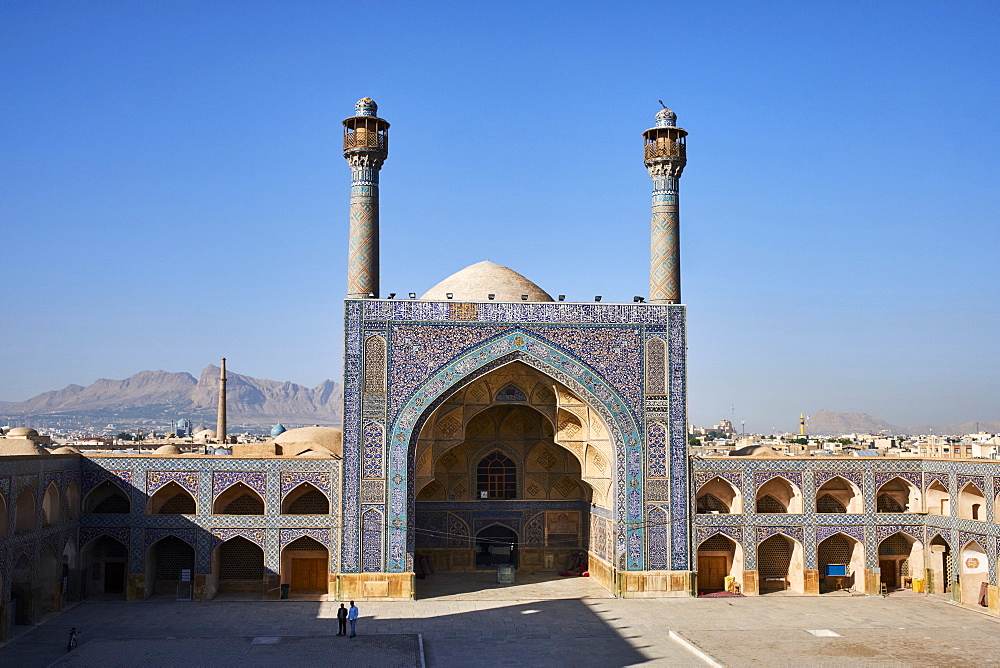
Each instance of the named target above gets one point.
<point>665,155</point>
<point>220,423</point>
<point>366,146</point>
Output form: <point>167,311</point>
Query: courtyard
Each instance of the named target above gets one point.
<point>538,622</point>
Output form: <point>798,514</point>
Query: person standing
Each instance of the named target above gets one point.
<point>342,621</point>
<point>352,617</point>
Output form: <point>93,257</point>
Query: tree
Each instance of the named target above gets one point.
<point>693,440</point>
<point>125,436</point>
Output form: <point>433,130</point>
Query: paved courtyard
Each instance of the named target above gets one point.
<point>572,631</point>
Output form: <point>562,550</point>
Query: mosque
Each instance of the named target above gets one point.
<point>485,424</point>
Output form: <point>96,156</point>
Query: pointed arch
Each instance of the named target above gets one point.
<point>971,502</point>
<point>842,550</point>
<point>496,474</point>
<point>778,495</point>
<point>898,495</point>
<point>73,501</point>
<point>515,346</point>
<point>719,496</point>
<point>840,495</point>
<point>238,499</point>
<point>938,499</point>
<point>51,505</point>
<point>974,570</point>
<point>24,511</point>
<point>168,560</point>
<point>900,558</point>
<point>718,556</point>
<point>305,566</point>
<point>238,566</point>
<point>656,366</point>
<point>305,499</point>
<point>779,564</point>
<point>375,365</point>
<point>171,499</point>
<point>107,498</point>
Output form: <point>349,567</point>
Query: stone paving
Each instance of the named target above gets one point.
<point>570,631</point>
<point>390,650</point>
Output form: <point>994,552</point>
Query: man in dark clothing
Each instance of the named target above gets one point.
<point>342,621</point>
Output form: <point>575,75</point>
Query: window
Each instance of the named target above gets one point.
<point>497,476</point>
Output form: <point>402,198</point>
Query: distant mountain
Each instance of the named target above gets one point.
<point>163,393</point>
<point>833,423</point>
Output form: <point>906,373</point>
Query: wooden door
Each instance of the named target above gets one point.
<point>114,577</point>
<point>888,576</point>
<point>711,572</point>
<point>309,575</point>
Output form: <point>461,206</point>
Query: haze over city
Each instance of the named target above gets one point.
<point>174,189</point>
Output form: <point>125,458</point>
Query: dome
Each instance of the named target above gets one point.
<point>755,451</point>
<point>22,432</point>
<point>167,450</point>
<point>297,441</point>
<point>20,447</point>
<point>205,434</point>
<point>366,107</point>
<point>277,430</point>
<point>66,450</point>
<point>476,282</point>
<point>665,118</point>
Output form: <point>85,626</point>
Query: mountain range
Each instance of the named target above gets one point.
<point>833,423</point>
<point>157,394</point>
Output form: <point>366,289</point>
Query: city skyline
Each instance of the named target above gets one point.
<point>175,191</point>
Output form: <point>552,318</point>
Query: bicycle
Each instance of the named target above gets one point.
<point>72,639</point>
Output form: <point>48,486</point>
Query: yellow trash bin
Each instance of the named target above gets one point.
<point>918,585</point>
<point>729,581</point>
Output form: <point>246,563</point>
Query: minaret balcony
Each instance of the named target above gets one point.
<point>666,151</point>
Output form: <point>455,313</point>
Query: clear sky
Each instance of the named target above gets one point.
<point>173,191</point>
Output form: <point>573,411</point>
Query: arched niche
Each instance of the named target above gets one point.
<point>938,500</point>
<point>778,495</point>
<point>305,499</point>
<point>839,495</point>
<point>305,566</point>
<point>718,557</point>
<point>972,503</point>
<point>24,511</point>
<point>72,501</point>
<point>50,579</point>
<point>900,559</point>
<point>238,499</point>
<point>172,499</point>
<point>779,565</point>
<point>21,588</point>
<point>841,549</point>
<point>974,567</point>
<point>107,498</point>
<point>719,496</point>
<point>939,564</point>
<point>166,560</point>
<point>51,506</point>
<point>898,495</point>
<point>238,567</point>
<point>4,516</point>
<point>105,564</point>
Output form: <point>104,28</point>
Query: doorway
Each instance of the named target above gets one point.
<point>888,574</point>
<point>308,575</point>
<point>712,572</point>
<point>496,545</point>
<point>114,577</point>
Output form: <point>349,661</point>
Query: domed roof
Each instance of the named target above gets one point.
<point>167,450</point>
<point>296,441</point>
<point>366,107</point>
<point>278,430</point>
<point>22,432</point>
<point>666,118</point>
<point>476,282</point>
<point>205,434</point>
<point>18,446</point>
<point>755,451</point>
<point>66,450</point>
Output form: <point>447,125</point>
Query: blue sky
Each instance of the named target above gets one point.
<point>173,189</point>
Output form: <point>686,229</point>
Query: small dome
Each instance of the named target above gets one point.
<point>366,107</point>
<point>476,282</point>
<point>66,450</point>
<point>296,441</point>
<point>755,451</point>
<point>205,434</point>
<point>20,447</point>
<point>665,118</point>
<point>22,432</point>
<point>277,430</point>
<point>315,454</point>
<point>167,450</point>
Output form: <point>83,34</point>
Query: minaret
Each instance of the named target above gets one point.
<point>366,146</point>
<point>665,155</point>
<point>220,424</point>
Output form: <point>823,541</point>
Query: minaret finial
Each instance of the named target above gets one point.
<point>665,156</point>
<point>366,147</point>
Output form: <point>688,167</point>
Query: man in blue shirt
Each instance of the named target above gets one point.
<point>352,617</point>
